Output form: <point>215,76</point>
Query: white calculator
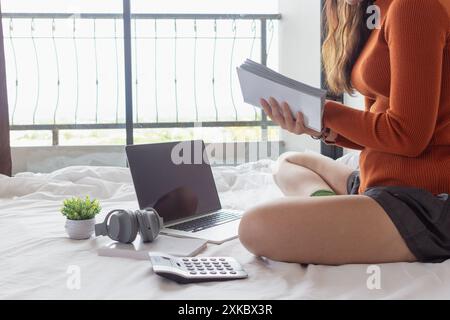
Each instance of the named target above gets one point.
<point>196,269</point>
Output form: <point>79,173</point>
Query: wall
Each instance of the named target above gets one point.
<point>356,101</point>
<point>299,36</point>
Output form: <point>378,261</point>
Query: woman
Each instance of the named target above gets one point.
<point>397,208</point>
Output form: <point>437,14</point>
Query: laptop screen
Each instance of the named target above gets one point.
<point>173,178</point>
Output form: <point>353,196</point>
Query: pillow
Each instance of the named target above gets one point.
<point>351,159</point>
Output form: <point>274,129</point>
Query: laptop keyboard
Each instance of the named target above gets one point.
<point>206,222</point>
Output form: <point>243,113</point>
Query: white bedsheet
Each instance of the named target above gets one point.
<point>35,253</point>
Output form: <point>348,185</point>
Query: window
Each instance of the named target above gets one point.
<point>66,82</point>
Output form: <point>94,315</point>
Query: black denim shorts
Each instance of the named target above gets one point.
<point>423,219</point>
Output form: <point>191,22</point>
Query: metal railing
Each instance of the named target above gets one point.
<point>131,71</point>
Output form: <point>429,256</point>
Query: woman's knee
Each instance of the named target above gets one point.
<point>253,226</point>
<point>301,159</point>
<point>287,162</point>
<point>260,234</point>
<point>286,159</point>
<point>289,157</point>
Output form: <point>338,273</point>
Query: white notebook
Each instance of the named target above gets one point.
<point>258,81</point>
<point>182,247</point>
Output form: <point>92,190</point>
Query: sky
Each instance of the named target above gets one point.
<point>154,6</point>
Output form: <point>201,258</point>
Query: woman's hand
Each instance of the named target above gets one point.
<point>282,116</point>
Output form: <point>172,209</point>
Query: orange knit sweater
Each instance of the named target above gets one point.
<point>404,74</point>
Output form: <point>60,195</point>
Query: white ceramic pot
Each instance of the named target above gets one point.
<point>80,229</point>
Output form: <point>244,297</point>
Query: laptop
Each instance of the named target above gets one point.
<point>176,180</point>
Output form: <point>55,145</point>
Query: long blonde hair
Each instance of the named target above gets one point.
<point>346,34</point>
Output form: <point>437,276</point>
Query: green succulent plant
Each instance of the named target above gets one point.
<point>80,209</point>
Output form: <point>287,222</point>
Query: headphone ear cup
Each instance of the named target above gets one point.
<point>149,224</point>
<point>123,226</point>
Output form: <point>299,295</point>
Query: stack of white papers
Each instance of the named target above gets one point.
<point>182,247</point>
<point>258,81</point>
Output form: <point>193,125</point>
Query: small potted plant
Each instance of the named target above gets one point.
<point>80,214</point>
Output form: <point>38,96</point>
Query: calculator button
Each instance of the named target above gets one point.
<point>223,272</point>
<point>200,269</point>
<point>212,259</point>
<point>203,259</point>
<point>203,272</point>
<point>185,259</point>
<point>193,272</point>
<point>213,272</point>
<point>210,269</point>
<point>216,263</point>
<point>194,259</point>
<point>229,268</point>
<point>219,268</point>
<point>191,269</point>
<point>233,272</point>
<point>222,259</point>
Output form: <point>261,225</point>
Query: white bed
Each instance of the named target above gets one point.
<point>35,253</point>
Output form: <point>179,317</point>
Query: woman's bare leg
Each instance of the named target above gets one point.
<point>301,174</point>
<point>331,230</point>
<point>295,180</point>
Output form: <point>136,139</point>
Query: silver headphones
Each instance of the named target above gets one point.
<point>124,225</point>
